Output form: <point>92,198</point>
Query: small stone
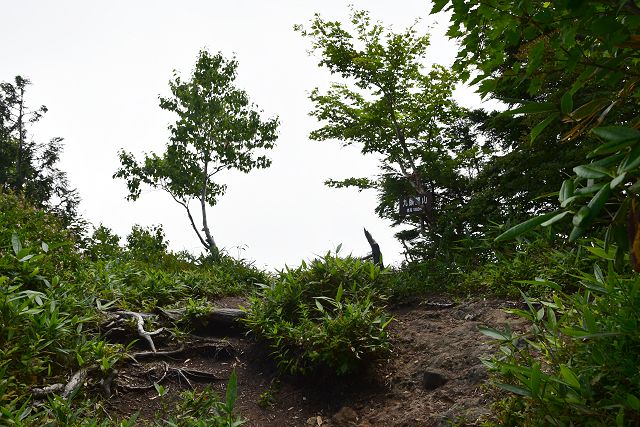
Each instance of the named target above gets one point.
<point>432,380</point>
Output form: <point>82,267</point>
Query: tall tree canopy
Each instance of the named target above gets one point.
<point>27,166</point>
<point>577,62</point>
<point>392,105</point>
<point>217,129</point>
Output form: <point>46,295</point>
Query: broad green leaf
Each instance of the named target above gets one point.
<point>438,5</point>
<point>599,200</point>
<point>633,402</point>
<point>581,216</point>
<point>571,378</point>
<point>494,333</point>
<point>542,126</point>
<point>567,190</point>
<point>601,253</point>
<point>555,219</point>
<point>617,180</point>
<point>15,243</point>
<point>609,160</point>
<point>524,227</point>
<point>338,293</point>
<point>26,258</point>
<point>576,232</point>
<point>590,171</point>
<point>617,133</point>
<point>566,103</point>
<point>570,200</point>
<point>609,147</point>
<point>632,161</point>
<point>591,189</point>
<point>514,389</point>
<point>533,107</point>
<point>535,379</point>
<point>45,247</point>
<point>232,391</point>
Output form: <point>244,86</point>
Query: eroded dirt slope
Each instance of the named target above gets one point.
<point>434,375</point>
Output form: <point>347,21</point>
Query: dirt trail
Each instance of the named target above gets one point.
<point>434,375</point>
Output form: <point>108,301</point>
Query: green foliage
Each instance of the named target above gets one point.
<point>535,266</point>
<point>217,129</point>
<point>269,397</point>
<point>46,330</point>
<point>574,71</point>
<point>393,106</point>
<point>51,295</point>
<point>325,315</point>
<point>103,244</point>
<point>33,227</point>
<point>147,244</point>
<point>579,358</point>
<point>589,45</point>
<point>29,167</point>
<point>204,409</point>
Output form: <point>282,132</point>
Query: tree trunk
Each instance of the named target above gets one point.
<point>19,177</point>
<point>211,244</point>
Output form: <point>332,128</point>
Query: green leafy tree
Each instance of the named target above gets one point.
<point>578,63</point>
<point>30,167</point>
<point>103,244</point>
<point>392,106</point>
<point>572,64</point>
<point>217,129</point>
<point>147,244</point>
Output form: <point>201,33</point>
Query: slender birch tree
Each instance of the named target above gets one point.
<point>217,129</point>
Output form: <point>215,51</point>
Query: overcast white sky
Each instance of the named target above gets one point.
<point>100,66</point>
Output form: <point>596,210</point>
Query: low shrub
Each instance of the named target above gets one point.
<point>578,360</point>
<point>541,259</point>
<point>52,290</point>
<point>327,314</point>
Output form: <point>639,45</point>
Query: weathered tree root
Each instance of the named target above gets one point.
<point>180,372</point>
<point>39,393</point>
<point>140,324</point>
<point>201,347</point>
<point>75,382</point>
<point>165,353</point>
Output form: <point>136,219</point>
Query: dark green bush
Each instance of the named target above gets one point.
<point>147,244</point>
<point>540,258</point>
<point>578,362</point>
<point>51,291</point>
<point>103,244</point>
<point>326,314</point>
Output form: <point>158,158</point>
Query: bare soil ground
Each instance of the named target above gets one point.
<point>433,378</point>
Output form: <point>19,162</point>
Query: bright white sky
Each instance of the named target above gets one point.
<point>100,66</point>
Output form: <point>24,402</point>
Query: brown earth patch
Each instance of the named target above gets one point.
<point>434,375</point>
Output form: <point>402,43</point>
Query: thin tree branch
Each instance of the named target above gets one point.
<point>193,224</point>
